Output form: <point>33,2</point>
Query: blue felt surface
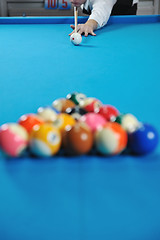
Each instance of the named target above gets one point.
<point>88,197</point>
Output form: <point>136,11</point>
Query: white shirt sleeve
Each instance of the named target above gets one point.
<point>101,11</point>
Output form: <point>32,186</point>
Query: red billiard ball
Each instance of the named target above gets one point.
<point>91,104</point>
<point>111,139</point>
<point>109,112</point>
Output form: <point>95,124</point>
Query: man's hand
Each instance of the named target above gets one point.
<point>87,28</point>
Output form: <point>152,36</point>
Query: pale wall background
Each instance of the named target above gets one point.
<point>36,8</point>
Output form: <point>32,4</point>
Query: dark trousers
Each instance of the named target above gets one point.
<point>124,10</point>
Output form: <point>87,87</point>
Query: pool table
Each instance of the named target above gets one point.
<point>85,197</point>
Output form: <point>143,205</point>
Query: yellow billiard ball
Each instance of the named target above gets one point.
<point>45,140</point>
<point>64,121</point>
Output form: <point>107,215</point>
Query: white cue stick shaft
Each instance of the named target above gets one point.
<point>75,18</point>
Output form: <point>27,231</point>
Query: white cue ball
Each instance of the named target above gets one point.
<point>76,38</point>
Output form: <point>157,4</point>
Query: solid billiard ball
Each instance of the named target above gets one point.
<point>76,112</point>
<point>63,122</point>
<point>45,140</point>
<point>76,97</point>
<point>76,38</point>
<point>13,139</point>
<point>62,104</point>
<point>93,120</point>
<point>128,121</point>
<point>28,121</point>
<point>109,112</point>
<point>48,114</point>
<point>78,140</point>
<point>91,104</point>
<point>111,139</point>
<point>143,140</point>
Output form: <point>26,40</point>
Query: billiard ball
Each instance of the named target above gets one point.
<point>143,140</point>
<point>76,112</point>
<point>63,122</point>
<point>48,114</point>
<point>76,38</point>
<point>13,139</point>
<point>62,104</point>
<point>45,140</point>
<point>128,121</point>
<point>28,121</point>
<point>78,139</point>
<point>91,104</point>
<point>93,120</point>
<point>76,97</point>
<point>111,139</point>
<point>109,112</point>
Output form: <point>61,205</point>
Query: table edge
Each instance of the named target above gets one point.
<point>81,19</point>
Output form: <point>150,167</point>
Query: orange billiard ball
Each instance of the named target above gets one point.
<point>111,139</point>
<point>28,121</point>
<point>62,104</point>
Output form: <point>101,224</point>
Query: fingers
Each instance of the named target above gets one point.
<point>86,33</point>
<point>72,26</point>
<point>71,33</point>
<point>93,34</point>
<point>83,29</point>
<point>80,31</point>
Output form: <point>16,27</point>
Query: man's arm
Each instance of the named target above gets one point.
<point>100,13</point>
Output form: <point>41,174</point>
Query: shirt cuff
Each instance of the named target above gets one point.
<point>101,22</point>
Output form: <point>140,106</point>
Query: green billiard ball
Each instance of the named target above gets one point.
<point>128,121</point>
<point>76,97</point>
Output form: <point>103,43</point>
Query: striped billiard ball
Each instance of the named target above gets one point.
<point>45,140</point>
<point>128,121</point>
<point>62,104</point>
<point>91,104</point>
<point>111,139</point>
<point>13,139</point>
<point>76,97</point>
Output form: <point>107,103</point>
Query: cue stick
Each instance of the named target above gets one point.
<point>75,18</point>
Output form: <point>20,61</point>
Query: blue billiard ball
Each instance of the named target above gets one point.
<point>144,140</point>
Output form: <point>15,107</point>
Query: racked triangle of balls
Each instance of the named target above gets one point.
<point>77,125</point>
